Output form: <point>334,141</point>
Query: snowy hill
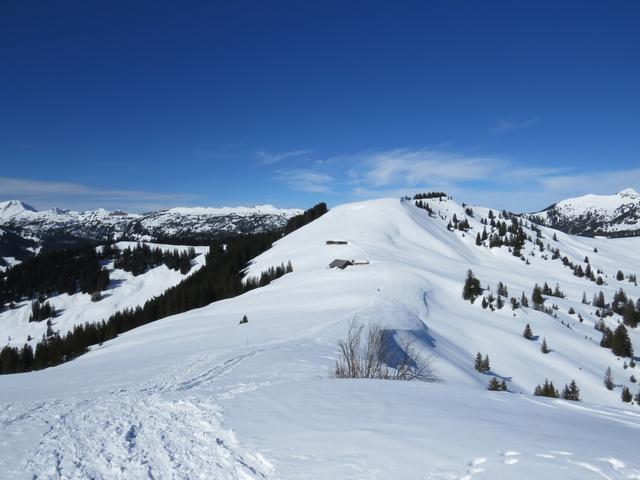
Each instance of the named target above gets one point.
<point>609,215</point>
<point>59,227</point>
<point>198,395</point>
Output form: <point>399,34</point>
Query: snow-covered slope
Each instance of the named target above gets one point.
<point>610,215</point>
<point>55,227</point>
<point>125,291</point>
<point>199,395</point>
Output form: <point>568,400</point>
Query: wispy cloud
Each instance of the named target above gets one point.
<point>265,158</point>
<point>489,180</point>
<point>414,167</point>
<point>600,182</point>
<point>304,180</point>
<point>506,126</point>
<point>45,194</point>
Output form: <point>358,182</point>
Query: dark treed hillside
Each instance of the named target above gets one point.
<point>63,271</point>
<point>308,216</point>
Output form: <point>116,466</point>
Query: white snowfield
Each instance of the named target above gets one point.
<point>198,395</point>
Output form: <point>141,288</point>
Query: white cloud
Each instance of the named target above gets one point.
<point>266,158</point>
<point>304,180</point>
<point>45,194</point>
<point>506,126</point>
<point>414,167</point>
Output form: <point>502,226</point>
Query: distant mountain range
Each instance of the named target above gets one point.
<point>24,230</point>
<point>594,215</point>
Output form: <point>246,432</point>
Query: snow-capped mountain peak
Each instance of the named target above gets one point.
<point>56,225</point>
<point>608,215</point>
<point>11,208</point>
<point>628,192</point>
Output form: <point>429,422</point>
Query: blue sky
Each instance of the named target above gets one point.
<point>142,105</point>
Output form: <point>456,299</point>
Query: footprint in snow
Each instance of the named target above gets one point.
<point>614,462</point>
<point>561,452</point>
<point>510,457</point>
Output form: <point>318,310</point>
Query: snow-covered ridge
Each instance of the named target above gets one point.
<point>611,215</point>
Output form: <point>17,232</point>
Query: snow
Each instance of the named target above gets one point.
<point>612,213</point>
<point>217,211</point>
<point>605,204</point>
<point>125,291</point>
<point>197,395</point>
<point>12,208</point>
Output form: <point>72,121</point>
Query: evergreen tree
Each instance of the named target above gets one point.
<point>477,364</point>
<point>571,392</point>
<point>608,379</point>
<point>471,289</point>
<point>621,343</point>
<point>630,316</point>
<point>528,333</point>
<point>626,395</point>
<point>620,276</point>
<point>546,390</point>
<point>536,297</point>
<point>495,385</point>
<point>544,349</point>
<point>485,364</point>
<point>524,301</point>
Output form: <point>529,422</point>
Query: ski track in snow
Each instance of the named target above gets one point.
<point>605,468</point>
<point>146,436</point>
<point>140,434</point>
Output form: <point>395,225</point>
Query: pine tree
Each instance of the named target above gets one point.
<point>495,385</point>
<point>626,395</point>
<point>544,349</point>
<point>471,289</point>
<point>621,343</point>
<point>485,364</point>
<point>571,392</point>
<point>620,276</point>
<point>524,301</point>
<point>477,364</point>
<point>546,390</point>
<point>608,379</point>
<point>630,316</point>
<point>528,333</point>
<point>244,319</point>
<point>536,297</point>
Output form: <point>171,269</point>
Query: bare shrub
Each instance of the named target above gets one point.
<point>374,353</point>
